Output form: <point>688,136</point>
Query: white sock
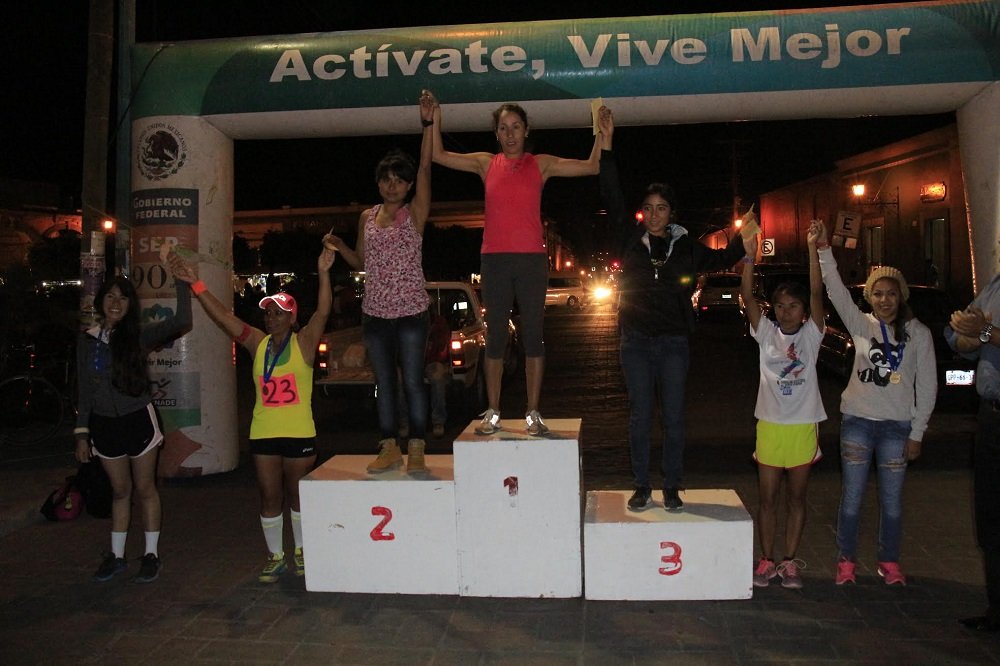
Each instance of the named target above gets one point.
<point>152,541</point>
<point>118,543</point>
<point>273,531</point>
<point>296,527</point>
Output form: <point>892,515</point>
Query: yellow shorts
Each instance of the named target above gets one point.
<point>787,445</point>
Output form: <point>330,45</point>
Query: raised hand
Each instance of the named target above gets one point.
<point>180,269</point>
<point>327,256</point>
<point>605,121</point>
<point>428,102</point>
<point>816,233</point>
<point>333,242</point>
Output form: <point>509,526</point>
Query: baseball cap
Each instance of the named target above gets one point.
<point>284,301</point>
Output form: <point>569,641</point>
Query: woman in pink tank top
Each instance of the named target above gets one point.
<point>395,318</point>
<point>514,258</point>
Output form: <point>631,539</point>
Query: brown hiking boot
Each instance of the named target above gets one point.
<point>389,457</point>
<point>415,456</point>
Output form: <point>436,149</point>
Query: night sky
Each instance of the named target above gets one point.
<point>43,84</point>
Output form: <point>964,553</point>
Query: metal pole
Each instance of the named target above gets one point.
<point>123,167</point>
<point>100,43</point>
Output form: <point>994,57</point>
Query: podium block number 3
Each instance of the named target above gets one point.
<point>672,559</point>
<point>377,534</point>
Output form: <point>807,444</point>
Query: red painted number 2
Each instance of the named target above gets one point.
<point>377,534</point>
<point>672,559</point>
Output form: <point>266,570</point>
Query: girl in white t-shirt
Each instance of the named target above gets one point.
<point>788,407</point>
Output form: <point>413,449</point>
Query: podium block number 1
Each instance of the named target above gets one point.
<point>377,534</point>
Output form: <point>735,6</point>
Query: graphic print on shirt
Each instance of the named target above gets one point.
<point>788,378</point>
<point>877,354</point>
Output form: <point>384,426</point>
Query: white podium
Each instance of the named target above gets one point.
<point>389,533</point>
<point>704,551</point>
<point>519,507</point>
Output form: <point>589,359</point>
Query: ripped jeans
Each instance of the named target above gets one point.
<point>862,440</point>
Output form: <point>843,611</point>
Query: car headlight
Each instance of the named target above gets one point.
<point>601,293</point>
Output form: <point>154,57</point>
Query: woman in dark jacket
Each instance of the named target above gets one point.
<point>659,265</point>
<point>117,421</point>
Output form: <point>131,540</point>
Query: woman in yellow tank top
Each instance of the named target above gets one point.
<point>282,432</point>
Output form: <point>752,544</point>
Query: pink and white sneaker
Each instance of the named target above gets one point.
<point>891,573</point>
<point>845,572</point>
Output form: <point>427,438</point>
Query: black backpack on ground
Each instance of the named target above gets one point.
<point>95,486</point>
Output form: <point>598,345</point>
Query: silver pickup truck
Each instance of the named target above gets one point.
<point>341,359</point>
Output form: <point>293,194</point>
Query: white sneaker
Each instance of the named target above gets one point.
<point>536,426</point>
<point>490,423</point>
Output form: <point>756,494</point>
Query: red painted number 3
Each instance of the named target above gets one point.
<point>672,559</point>
<point>377,534</point>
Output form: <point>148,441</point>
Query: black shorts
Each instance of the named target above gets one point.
<point>286,447</point>
<point>130,435</point>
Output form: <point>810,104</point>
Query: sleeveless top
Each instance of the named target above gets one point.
<point>513,206</point>
<point>284,402</point>
<point>394,276</point>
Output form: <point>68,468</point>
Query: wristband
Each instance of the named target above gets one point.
<point>821,244</point>
<point>198,288</point>
<point>81,431</point>
<point>244,334</point>
<point>426,123</point>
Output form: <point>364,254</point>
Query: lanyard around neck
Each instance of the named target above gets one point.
<point>271,361</point>
<point>895,360</point>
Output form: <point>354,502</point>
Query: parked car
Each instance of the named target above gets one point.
<point>717,293</point>
<point>565,289</point>
<point>933,307</point>
<point>341,359</point>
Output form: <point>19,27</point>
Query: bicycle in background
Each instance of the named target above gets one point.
<point>31,407</point>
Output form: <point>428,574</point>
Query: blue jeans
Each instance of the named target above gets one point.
<point>650,364</point>
<point>393,342</point>
<point>862,440</point>
<point>438,380</point>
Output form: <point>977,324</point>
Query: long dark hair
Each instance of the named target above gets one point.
<point>128,364</point>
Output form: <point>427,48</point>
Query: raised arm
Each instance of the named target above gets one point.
<point>477,163</point>
<point>750,303</point>
<point>853,318</point>
<point>157,334</point>
<point>420,205</point>
<point>353,256</point>
<point>816,237</point>
<point>248,336</point>
<point>552,166</point>
<point>310,334</point>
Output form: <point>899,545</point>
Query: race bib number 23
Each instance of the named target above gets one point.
<point>279,391</point>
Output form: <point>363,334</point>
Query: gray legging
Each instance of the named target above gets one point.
<point>510,275</point>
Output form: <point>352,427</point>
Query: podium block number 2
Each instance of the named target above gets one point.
<point>377,534</point>
<point>672,559</point>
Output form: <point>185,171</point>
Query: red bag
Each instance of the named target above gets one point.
<point>63,503</point>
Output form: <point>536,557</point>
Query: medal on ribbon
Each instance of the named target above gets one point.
<point>894,359</point>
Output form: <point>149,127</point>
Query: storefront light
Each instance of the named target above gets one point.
<point>933,192</point>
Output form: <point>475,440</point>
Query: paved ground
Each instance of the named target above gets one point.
<point>208,606</point>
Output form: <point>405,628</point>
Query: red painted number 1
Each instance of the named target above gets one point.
<point>377,534</point>
<point>672,559</point>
